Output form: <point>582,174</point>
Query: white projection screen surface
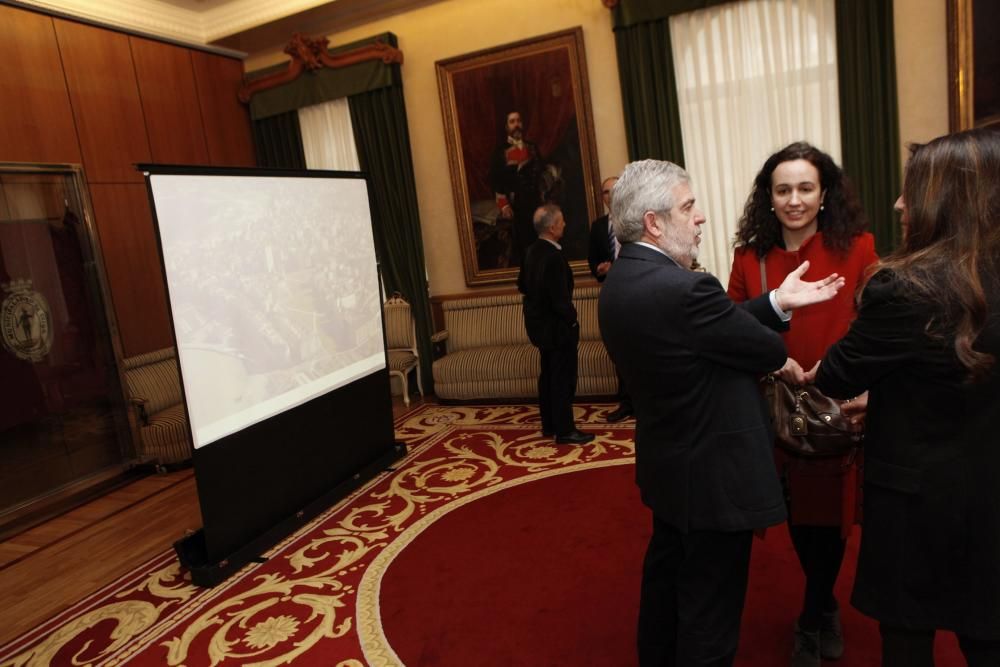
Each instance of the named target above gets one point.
<point>274,292</point>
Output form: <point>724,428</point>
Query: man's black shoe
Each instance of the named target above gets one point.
<point>619,413</point>
<point>574,437</point>
<point>547,434</point>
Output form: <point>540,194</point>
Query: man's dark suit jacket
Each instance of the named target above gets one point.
<point>600,246</point>
<point>692,359</point>
<point>547,284</point>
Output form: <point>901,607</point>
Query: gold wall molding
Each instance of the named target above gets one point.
<point>960,65</point>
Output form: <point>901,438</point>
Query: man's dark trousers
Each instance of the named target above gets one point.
<point>705,574</point>
<point>557,384</point>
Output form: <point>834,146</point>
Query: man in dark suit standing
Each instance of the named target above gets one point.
<point>603,252</point>
<point>546,281</point>
<point>603,244</point>
<point>692,360</point>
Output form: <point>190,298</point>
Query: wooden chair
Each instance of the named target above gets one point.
<point>401,343</point>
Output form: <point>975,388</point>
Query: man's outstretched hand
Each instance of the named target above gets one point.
<point>795,292</point>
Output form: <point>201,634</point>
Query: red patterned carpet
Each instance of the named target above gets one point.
<point>488,545</point>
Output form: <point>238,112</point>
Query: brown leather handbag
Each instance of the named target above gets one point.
<point>806,422</point>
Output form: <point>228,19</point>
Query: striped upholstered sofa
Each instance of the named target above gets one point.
<point>154,390</point>
<point>489,356</point>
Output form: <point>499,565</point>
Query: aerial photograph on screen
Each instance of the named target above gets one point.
<point>273,290</point>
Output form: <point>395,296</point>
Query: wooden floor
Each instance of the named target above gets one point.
<point>48,568</point>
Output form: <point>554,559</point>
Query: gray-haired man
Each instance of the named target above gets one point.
<point>550,319</point>
<point>691,359</point>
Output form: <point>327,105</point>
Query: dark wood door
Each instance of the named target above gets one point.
<point>36,123</point>
<point>170,102</point>
<point>227,120</point>
<point>105,99</point>
<point>132,263</point>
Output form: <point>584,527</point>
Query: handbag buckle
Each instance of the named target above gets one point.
<point>797,424</point>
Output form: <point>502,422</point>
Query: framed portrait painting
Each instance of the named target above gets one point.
<point>520,134</point>
<point>973,64</point>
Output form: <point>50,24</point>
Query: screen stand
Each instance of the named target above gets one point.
<point>192,550</point>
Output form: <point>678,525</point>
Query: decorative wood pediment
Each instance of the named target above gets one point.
<point>311,54</point>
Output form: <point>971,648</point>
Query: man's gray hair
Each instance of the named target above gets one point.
<point>646,185</point>
<point>545,217</point>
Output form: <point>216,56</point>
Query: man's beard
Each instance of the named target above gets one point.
<point>516,133</point>
<point>682,251</point>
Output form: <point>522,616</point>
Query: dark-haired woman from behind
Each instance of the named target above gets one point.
<point>802,207</point>
<point>925,346</point>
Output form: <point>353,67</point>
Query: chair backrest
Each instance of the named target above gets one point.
<point>153,377</point>
<point>400,330</point>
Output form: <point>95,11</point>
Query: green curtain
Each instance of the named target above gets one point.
<point>649,92</point>
<point>869,122</point>
<point>382,138</point>
<point>279,142</point>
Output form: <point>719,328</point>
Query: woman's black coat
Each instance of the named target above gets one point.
<point>930,546</point>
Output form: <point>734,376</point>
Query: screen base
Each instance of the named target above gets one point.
<point>192,549</point>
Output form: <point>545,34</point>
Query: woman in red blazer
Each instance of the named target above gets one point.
<point>926,346</point>
<point>802,208</point>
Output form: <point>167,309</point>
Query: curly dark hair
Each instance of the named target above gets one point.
<point>842,217</point>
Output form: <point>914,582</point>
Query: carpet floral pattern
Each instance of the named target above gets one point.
<point>315,599</point>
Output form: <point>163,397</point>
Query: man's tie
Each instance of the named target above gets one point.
<point>612,241</point>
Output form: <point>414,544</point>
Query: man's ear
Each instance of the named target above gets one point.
<point>650,227</point>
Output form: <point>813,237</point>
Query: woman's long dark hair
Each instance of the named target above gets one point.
<point>951,194</point>
<point>841,219</point>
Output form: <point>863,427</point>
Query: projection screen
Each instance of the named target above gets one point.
<point>274,291</point>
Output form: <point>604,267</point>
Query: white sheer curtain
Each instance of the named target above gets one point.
<point>328,143</point>
<point>752,77</point>
<point>328,136</point>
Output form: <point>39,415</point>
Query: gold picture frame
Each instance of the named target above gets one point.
<point>497,180</point>
<point>973,77</point>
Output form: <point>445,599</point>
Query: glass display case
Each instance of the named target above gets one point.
<point>63,422</point>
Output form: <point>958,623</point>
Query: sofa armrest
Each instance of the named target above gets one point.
<point>140,409</point>
<point>438,343</point>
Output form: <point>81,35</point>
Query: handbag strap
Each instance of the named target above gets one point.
<point>763,277</point>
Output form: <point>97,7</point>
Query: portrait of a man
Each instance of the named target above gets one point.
<point>513,117</point>
<point>522,181</point>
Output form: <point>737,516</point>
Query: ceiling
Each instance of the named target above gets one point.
<point>244,25</point>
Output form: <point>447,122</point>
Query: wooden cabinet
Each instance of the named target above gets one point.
<point>227,120</point>
<point>36,122</point>
<point>105,100</point>
<point>169,102</point>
